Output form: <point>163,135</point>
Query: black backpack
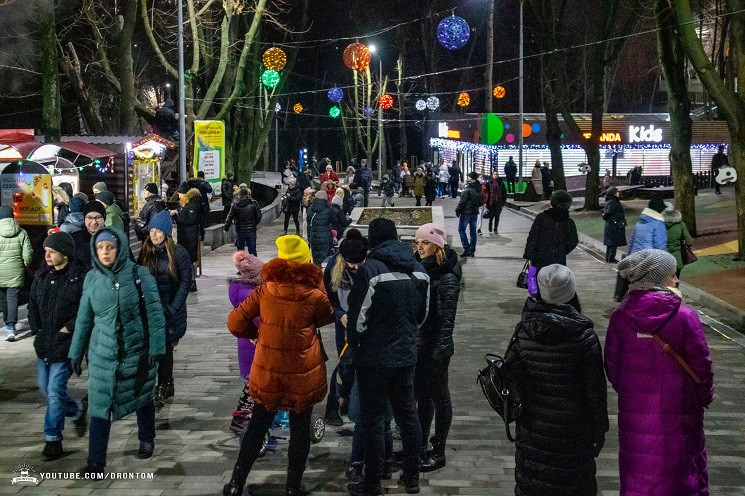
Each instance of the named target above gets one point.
<point>498,381</point>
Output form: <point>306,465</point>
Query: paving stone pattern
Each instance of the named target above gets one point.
<point>195,451</point>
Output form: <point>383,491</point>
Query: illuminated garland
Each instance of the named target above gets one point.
<point>453,145</point>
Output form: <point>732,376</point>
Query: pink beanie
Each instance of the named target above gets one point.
<point>249,266</point>
<point>432,233</point>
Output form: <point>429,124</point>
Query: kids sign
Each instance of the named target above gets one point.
<point>643,134</point>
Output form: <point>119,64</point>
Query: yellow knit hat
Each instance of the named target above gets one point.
<point>294,248</point>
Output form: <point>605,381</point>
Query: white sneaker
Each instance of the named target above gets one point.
<point>10,337</point>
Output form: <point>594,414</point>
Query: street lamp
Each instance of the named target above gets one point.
<point>181,105</point>
<point>372,49</point>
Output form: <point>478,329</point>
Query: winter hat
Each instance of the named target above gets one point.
<point>292,181</point>
<point>381,230</point>
<point>336,200</point>
<point>556,284</point>
<point>107,236</point>
<point>561,199</point>
<point>432,233</point>
<point>152,188</point>
<point>100,186</point>
<point>76,204</point>
<point>106,197</point>
<point>321,195</point>
<point>353,248</point>
<point>657,204</point>
<point>6,212</point>
<point>647,268</point>
<point>61,242</point>
<point>612,191</point>
<point>293,248</point>
<point>94,206</point>
<point>473,175</point>
<point>249,266</point>
<point>243,185</point>
<point>183,188</point>
<point>669,207</point>
<point>162,221</point>
<point>82,196</point>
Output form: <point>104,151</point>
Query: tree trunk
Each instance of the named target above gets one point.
<point>673,61</point>
<point>553,137</point>
<point>49,64</point>
<point>125,68</point>
<point>592,145</point>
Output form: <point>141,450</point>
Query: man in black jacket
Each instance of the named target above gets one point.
<point>294,198</point>
<point>247,215</point>
<point>455,177</point>
<point>226,193</point>
<point>94,217</point>
<point>468,213</point>
<point>388,303</point>
<point>153,204</point>
<point>52,309</point>
<point>510,172</point>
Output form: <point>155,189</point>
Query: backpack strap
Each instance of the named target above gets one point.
<point>141,304</point>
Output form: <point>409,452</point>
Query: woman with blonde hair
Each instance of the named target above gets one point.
<point>60,202</point>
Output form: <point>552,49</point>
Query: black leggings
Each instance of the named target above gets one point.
<point>433,397</point>
<point>496,212</point>
<point>165,366</point>
<point>294,215</point>
<point>610,253</point>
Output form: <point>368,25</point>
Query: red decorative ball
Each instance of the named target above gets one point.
<point>357,56</point>
<point>386,102</point>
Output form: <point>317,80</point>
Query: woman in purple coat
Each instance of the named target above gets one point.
<point>662,448</point>
<point>249,271</point>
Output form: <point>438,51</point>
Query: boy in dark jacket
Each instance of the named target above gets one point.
<point>468,213</point>
<point>52,309</point>
<point>247,215</point>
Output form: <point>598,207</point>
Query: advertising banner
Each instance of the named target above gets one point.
<point>209,151</point>
<point>29,192</point>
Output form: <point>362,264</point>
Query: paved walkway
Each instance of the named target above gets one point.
<point>195,451</point>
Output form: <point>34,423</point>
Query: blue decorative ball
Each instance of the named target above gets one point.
<point>453,32</point>
<point>368,111</point>
<point>336,94</point>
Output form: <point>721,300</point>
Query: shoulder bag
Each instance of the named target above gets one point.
<point>522,277</point>
<point>686,253</point>
<point>500,387</point>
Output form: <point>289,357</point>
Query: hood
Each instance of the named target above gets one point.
<point>647,311</point>
<point>9,228</point>
<point>169,104</point>
<point>673,217</point>
<point>291,280</point>
<point>649,215</point>
<point>319,203</point>
<point>450,265</point>
<point>396,255</point>
<point>113,209</point>
<point>191,194</point>
<point>419,173</point>
<point>558,214</point>
<point>122,255</point>
<point>251,282</point>
<point>553,324</point>
<point>242,201</point>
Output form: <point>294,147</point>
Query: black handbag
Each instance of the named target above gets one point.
<point>522,277</point>
<point>499,385</point>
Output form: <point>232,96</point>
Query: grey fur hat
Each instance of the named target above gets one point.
<point>556,284</point>
<point>647,268</point>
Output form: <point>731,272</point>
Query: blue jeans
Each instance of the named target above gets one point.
<point>249,240</point>
<point>98,433</point>
<point>358,438</point>
<point>470,221</point>
<point>9,305</point>
<point>52,381</point>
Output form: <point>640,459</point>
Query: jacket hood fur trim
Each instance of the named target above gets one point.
<point>192,193</point>
<point>284,271</point>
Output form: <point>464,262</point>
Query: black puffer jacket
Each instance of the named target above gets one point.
<point>189,221</point>
<point>614,233</point>
<point>52,305</point>
<point>246,214</point>
<point>205,189</point>
<point>339,221</point>
<point>226,192</point>
<point>173,290</point>
<point>319,229</point>
<point>383,331</point>
<point>552,237</point>
<point>294,198</point>
<point>436,334</point>
<point>470,199</point>
<point>153,205</point>
<point>562,383</point>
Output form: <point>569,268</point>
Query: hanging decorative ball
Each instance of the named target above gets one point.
<point>464,99</point>
<point>274,59</point>
<point>277,107</point>
<point>368,111</point>
<point>334,112</point>
<point>336,94</point>
<point>453,32</point>
<point>499,92</point>
<point>357,56</point>
<point>297,108</point>
<point>433,103</point>
<point>386,102</point>
<point>420,105</point>
<point>270,78</point>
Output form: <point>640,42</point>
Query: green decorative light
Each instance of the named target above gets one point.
<point>334,112</point>
<point>270,78</point>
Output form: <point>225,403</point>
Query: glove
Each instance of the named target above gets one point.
<point>154,359</point>
<point>77,366</point>
<point>597,446</point>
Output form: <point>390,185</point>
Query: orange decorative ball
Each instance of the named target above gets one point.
<point>464,99</point>
<point>499,92</point>
<point>297,108</point>
<point>274,59</point>
<point>357,56</point>
<point>386,102</point>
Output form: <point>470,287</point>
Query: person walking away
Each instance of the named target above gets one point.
<point>677,235</point>
<point>188,224</point>
<point>510,173</point>
<point>546,181</point>
<point>15,256</point>
<point>387,189</point>
<point>430,188</point>
<point>171,266</point>
<point>455,178</point>
<point>365,179</point>
<point>387,305</point>
<point>303,181</point>
<point>435,344</point>
<point>337,280</point>
<point>346,195</point>
<point>113,212</point>
<point>289,370</point>
<point>553,234</point>
<point>339,221</point>
<point>557,355</point>
<point>249,278</point>
<point>247,214</point>
<point>536,178</point>
<point>153,204</point>
<point>418,185</point>
<point>496,198</point>
<point>226,193</point>
<point>52,308</point>
<point>645,333</point>
<point>205,190</point>
<point>294,201</point>
<point>74,219</point>
<point>614,234</point>
<point>94,218</point>
<point>442,180</point>
<point>123,381</point>
<point>718,160</point>
<point>467,212</point>
<point>319,228</point>
<point>650,231</point>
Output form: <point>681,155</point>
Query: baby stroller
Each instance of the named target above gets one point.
<point>279,432</point>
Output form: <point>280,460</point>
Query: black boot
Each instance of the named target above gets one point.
<point>354,472</point>
<point>160,400</point>
<point>434,459</point>
<point>410,483</point>
<point>81,423</point>
<point>146,449</point>
<point>332,416</point>
<point>232,488</point>
<point>167,391</point>
<point>294,486</point>
<point>52,450</point>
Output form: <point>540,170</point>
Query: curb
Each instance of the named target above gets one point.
<point>728,312</point>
